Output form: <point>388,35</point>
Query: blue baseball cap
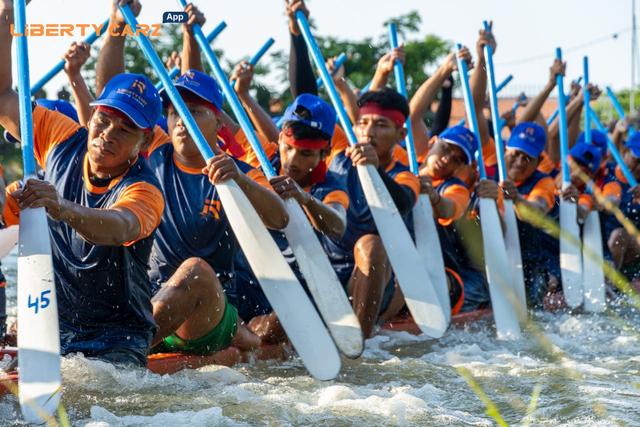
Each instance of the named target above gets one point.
<point>461,137</point>
<point>588,155</point>
<point>135,96</point>
<point>60,105</point>
<point>162,122</point>
<point>313,112</point>
<point>199,84</point>
<point>528,137</point>
<point>599,139</point>
<point>633,144</point>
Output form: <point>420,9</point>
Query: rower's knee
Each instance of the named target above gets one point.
<point>199,278</point>
<point>370,254</point>
<point>617,240</point>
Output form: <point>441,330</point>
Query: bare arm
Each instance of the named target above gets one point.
<point>532,109</point>
<point>385,68</point>
<point>75,58</point>
<point>348,97</point>
<point>553,140</point>
<point>9,104</point>
<point>478,85</point>
<point>191,58</point>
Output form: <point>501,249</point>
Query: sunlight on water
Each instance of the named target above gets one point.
<point>401,380</point>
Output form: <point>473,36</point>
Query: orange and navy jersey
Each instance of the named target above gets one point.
<point>538,186</point>
<point>457,191</point>
<point>359,218</point>
<point>99,288</point>
<point>547,165</point>
<point>194,223</point>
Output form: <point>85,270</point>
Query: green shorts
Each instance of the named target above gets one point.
<point>219,338</point>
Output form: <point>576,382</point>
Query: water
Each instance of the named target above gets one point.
<point>592,379</point>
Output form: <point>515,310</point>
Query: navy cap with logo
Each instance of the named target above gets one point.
<point>633,144</point>
<point>313,111</point>
<point>199,84</point>
<point>599,139</point>
<point>135,96</point>
<point>528,137</point>
<point>60,105</point>
<point>461,137</point>
<point>588,155</point>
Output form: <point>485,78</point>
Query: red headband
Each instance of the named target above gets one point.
<point>305,144</point>
<point>119,114</point>
<point>394,115</point>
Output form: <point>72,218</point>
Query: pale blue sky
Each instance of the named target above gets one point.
<point>524,29</point>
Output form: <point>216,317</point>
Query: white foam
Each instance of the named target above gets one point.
<point>101,417</point>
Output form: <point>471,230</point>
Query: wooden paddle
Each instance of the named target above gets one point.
<point>511,237</point>
<point>499,273</point>
<point>570,253</point>
<point>38,334</point>
<point>424,225</point>
<point>281,287</point>
<point>419,293</point>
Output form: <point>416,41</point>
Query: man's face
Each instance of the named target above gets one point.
<point>520,165</point>
<point>298,163</point>
<point>633,163</point>
<point>578,170</point>
<point>113,141</point>
<point>206,120</point>
<point>444,159</point>
<point>379,131</point>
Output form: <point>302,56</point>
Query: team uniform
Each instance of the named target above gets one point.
<point>103,292</point>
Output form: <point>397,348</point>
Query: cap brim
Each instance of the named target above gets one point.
<point>525,151</point>
<point>136,117</point>
<point>10,138</point>
<point>166,100</point>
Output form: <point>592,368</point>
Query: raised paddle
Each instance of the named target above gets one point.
<point>340,60</point>
<point>504,83</point>
<point>38,334</point>
<point>592,273</point>
<point>91,38</point>
<point>614,150</point>
<point>618,107</point>
<point>281,287</point>
<point>570,253</point>
<point>212,35</point>
<point>499,273</point>
<point>511,237</point>
<point>419,293</point>
<point>322,281</point>
<point>259,54</point>
<point>424,225</point>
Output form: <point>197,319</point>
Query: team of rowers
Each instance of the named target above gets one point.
<point>144,256</point>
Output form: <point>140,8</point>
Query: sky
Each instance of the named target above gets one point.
<point>527,31</point>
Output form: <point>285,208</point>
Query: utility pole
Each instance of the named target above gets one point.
<point>634,52</point>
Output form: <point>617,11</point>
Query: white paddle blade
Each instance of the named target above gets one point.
<point>428,246</point>
<point>8,239</point>
<point>593,274</point>
<point>38,334</point>
<point>326,289</point>
<point>570,254</point>
<point>512,243</point>
<point>297,315</point>
<point>419,293</point>
<point>499,273</point>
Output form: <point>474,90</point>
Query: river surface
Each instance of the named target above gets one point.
<point>584,371</point>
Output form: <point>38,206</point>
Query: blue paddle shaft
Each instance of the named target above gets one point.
<point>398,71</point>
<point>326,78</point>
<point>587,99</point>
<point>556,111</point>
<point>24,95</point>
<point>60,65</point>
<point>495,112</point>
<point>256,58</point>
<point>366,88</point>
<point>463,71</point>
<point>614,150</point>
<point>340,60</point>
<point>232,98</point>
<point>616,104</point>
<point>564,134</point>
<point>175,97</point>
<point>212,35</point>
<point>504,83</point>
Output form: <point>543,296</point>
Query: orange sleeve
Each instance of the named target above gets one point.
<point>145,201</point>
<point>337,196</point>
<point>11,212</point>
<point>612,189</point>
<point>400,155</point>
<point>489,153</point>
<point>410,180</point>
<point>546,165</point>
<point>159,139</point>
<point>460,197</point>
<point>586,201</point>
<point>544,189</point>
<point>250,157</point>
<point>50,128</point>
<point>257,176</point>
<point>339,143</point>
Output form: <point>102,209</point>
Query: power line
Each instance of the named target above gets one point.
<point>595,41</point>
